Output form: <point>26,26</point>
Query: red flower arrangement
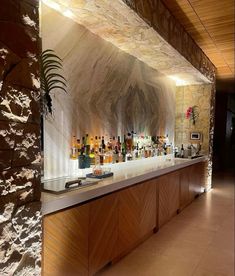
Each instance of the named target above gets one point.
<point>192,113</point>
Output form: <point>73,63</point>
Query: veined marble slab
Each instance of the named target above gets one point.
<point>109,92</point>
<point>125,175</point>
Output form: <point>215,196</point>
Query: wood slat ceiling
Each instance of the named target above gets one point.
<point>211,25</point>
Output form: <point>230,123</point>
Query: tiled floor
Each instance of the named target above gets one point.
<point>197,242</point>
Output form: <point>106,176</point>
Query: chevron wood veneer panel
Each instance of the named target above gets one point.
<point>184,188</point>
<point>103,232</point>
<point>164,213</point>
<point>129,217</point>
<point>137,214</point>
<point>174,190</point>
<point>168,196</point>
<point>148,208</point>
<point>65,239</point>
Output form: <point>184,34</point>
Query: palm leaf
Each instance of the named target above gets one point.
<point>51,61</point>
<point>49,68</point>
<point>51,79</point>
<point>53,75</point>
<point>58,87</point>
<point>52,82</point>
<point>50,55</point>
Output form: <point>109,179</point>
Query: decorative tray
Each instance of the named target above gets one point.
<point>91,175</point>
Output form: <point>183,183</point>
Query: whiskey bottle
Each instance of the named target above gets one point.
<point>74,154</point>
<point>78,147</point>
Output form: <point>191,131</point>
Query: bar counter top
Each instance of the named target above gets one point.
<point>125,175</point>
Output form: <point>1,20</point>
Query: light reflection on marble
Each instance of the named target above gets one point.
<point>109,92</point>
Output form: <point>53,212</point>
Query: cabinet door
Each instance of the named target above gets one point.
<point>168,196</point>
<point>184,188</point>
<point>128,217</point>
<point>148,207</point>
<point>196,179</point>
<point>103,232</point>
<point>137,214</point>
<point>200,177</point>
<point>65,242</point>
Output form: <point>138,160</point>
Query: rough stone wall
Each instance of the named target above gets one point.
<point>155,13</point>
<point>211,136</point>
<point>20,216</point>
<point>186,96</point>
<point>204,97</point>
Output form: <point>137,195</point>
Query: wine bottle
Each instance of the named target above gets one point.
<point>124,149</point>
<point>182,151</point>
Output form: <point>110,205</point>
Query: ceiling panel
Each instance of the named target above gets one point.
<point>211,24</point>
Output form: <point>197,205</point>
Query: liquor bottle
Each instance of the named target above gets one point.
<point>106,157</point>
<point>110,144</point>
<point>115,155</point>
<point>96,145</point>
<point>145,152</point>
<point>92,152</point>
<point>102,144</point>
<point>129,156</point>
<point>83,144</point>
<point>114,142</point>
<point>87,145</point>
<point>124,149</point>
<point>110,155</point>
<point>101,155</point>
<point>136,154</point>
<point>86,139</point>
<point>118,144</point>
<point>92,144</point>
<point>78,147</point>
<point>182,151</point>
<point>87,151</point>
<point>128,142</point>
<point>132,140</point>
<point>97,158</point>
<point>74,154</point>
<point>81,159</point>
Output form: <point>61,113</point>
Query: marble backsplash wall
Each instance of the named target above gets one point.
<point>109,92</point>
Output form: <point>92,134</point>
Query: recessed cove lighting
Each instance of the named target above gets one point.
<point>178,81</point>
<point>52,4</point>
<point>68,13</point>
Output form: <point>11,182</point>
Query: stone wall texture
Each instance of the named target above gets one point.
<point>203,97</point>
<point>186,96</point>
<point>20,216</point>
<point>155,13</point>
